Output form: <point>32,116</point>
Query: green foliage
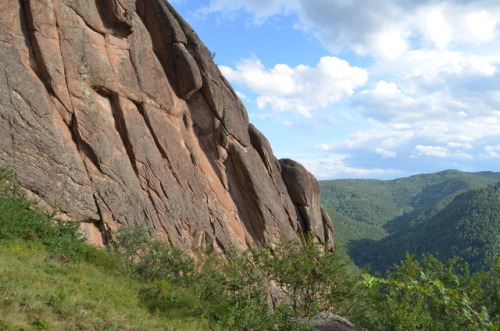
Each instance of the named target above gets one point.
<point>232,288</point>
<point>312,278</point>
<point>51,279</point>
<point>236,290</point>
<point>430,295</point>
<point>19,218</point>
<point>37,292</point>
<point>161,297</point>
<point>450,212</point>
<point>151,259</point>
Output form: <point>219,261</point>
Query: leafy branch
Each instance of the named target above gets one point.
<point>435,290</point>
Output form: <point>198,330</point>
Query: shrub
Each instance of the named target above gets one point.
<point>313,278</point>
<point>430,295</point>
<point>19,219</point>
<point>149,258</point>
<point>161,297</point>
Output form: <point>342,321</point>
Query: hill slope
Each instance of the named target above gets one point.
<point>373,209</point>
<point>469,227</point>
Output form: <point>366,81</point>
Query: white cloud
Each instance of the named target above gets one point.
<point>379,137</point>
<point>429,71</point>
<point>242,96</point>
<point>301,89</point>
<point>453,144</point>
<point>435,82</point>
<point>337,166</point>
<point>386,102</point>
<point>493,151</point>
<point>381,28</point>
<point>385,153</point>
<point>437,151</point>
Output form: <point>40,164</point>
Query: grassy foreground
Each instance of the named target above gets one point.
<point>38,292</point>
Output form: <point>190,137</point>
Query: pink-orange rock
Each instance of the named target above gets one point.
<point>113,113</point>
<point>303,190</point>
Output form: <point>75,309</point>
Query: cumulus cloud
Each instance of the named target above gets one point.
<point>492,151</point>
<point>381,138</point>
<point>337,166</point>
<point>382,28</point>
<point>443,96</point>
<point>437,151</point>
<point>459,74</point>
<point>434,89</point>
<point>453,144</point>
<point>385,153</point>
<point>387,102</point>
<point>300,89</point>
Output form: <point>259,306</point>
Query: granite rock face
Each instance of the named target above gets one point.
<point>113,113</point>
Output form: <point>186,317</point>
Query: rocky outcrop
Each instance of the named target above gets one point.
<point>303,189</point>
<point>113,113</point>
<point>325,321</point>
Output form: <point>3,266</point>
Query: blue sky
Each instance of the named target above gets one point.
<point>363,88</point>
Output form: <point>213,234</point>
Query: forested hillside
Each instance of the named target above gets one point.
<point>373,209</point>
<point>450,212</point>
<point>468,227</point>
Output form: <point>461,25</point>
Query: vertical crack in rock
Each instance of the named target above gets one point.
<point>120,126</point>
<point>161,150</point>
<point>84,148</point>
<point>36,59</point>
<point>244,194</point>
<point>6,117</point>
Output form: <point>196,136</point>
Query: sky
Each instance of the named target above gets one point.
<point>363,88</point>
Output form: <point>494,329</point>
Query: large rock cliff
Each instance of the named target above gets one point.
<point>112,112</point>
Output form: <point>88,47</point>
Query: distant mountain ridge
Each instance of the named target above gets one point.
<point>365,211</point>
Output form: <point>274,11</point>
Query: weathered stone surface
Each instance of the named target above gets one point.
<point>303,189</point>
<point>330,322</point>
<point>113,113</point>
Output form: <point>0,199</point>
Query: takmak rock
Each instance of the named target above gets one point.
<point>113,113</point>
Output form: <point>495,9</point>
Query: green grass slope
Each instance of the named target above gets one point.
<point>51,279</point>
<point>36,292</point>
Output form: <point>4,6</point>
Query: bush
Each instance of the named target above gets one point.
<point>19,219</point>
<point>312,278</point>
<point>232,290</point>
<point>430,295</point>
<point>149,258</point>
<point>161,297</point>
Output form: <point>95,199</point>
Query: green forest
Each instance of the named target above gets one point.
<point>452,213</point>
<point>467,227</point>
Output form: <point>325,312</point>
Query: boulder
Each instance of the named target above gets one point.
<point>303,189</point>
<point>325,321</point>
